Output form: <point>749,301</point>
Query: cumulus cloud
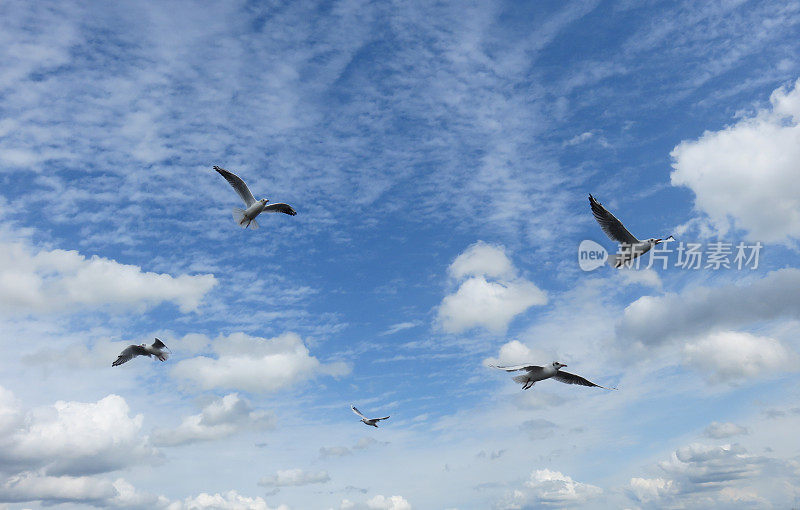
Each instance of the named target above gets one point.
<point>725,430</point>
<point>482,259</point>
<point>708,476</point>
<point>698,310</point>
<point>730,356</point>
<point>381,502</point>
<point>85,490</point>
<point>74,438</point>
<point>734,172</point>
<point>255,364</point>
<point>294,478</point>
<point>231,500</point>
<point>490,293</point>
<point>46,281</point>
<point>221,418</point>
<point>550,488</point>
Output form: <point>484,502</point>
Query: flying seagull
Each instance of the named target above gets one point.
<point>534,373</point>
<point>158,349</point>
<point>368,421</point>
<point>631,247</point>
<point>247,217</point>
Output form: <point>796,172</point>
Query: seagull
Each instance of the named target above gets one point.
<point>631,247</point>
<point>247,217</point>
<point>158,349</point>
<point>534,373</point>
<point>368,421</point>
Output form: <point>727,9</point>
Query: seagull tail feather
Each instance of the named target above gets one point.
<point>239,217</point>
<point>522,379</point>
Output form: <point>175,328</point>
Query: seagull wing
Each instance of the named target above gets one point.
<point>128,354</point>
<point>358,412</point>
<point>158,344</point>
<point>280,207</point>
<point>384,418</point>
<point>238,185</point>
<point>610,224</point>
<point>568,378</point>
<point>514,368</point>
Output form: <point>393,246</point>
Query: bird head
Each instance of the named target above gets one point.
<point>558,365</point>
<point>654,241</point>
<point>264,201</point>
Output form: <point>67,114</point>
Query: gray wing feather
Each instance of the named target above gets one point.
<point>357,412</point>
<point>158,344</point>
<point>567,378</point>
<point>384,418</point>
<point>515,368</point>
<point>238,185</point>
<point>610,224</point>
<point>129,353</point>
<point>280,207</point>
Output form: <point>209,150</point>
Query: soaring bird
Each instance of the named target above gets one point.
<point>535,373</point>
<point>368,421</point>
<point>247,217</point>
<point>630,246</point>
<point>158,349</point>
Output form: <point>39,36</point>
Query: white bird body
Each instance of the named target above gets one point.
<point>536,373</point>
<point>255,209</point>
<point>247,217</point>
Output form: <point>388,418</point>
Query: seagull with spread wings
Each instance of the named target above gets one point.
<point>368,421</point>
<point>247,217</point>
<point>535,373</point>
<point>158,349</point>
<point>631,247</point>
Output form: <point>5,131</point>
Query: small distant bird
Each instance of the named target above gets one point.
<point>368,421</point>
<point>158,349</point>
<point>535,373</point>
<point>631,246</point>
<point>247,217</point>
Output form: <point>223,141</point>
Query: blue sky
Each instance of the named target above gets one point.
<point>439,156</point>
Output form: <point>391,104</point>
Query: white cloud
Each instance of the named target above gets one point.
<point>256,364</point>
<point>75,438</point>
<point>698,310</point>
<point>46,281</point>
<point>381,502</point>
<point>550,488</point>
<point>294,478</point>
<point>725,430</point>
<point>401,326</point>
<point>231,500</point>
<point>734,172</point>
<point>482,259</point>
<point>650,489</point>
<point>86,490</point>
<point>30,487</point>
<point>221,418</point>
<point>511,353</point>
<point>341,451</point>
<point>729,356</point>
<point>702,476</point>
<point>479,302</point>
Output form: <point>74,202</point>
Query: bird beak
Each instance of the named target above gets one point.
<point>658,240</point>
<point>562,365</point>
